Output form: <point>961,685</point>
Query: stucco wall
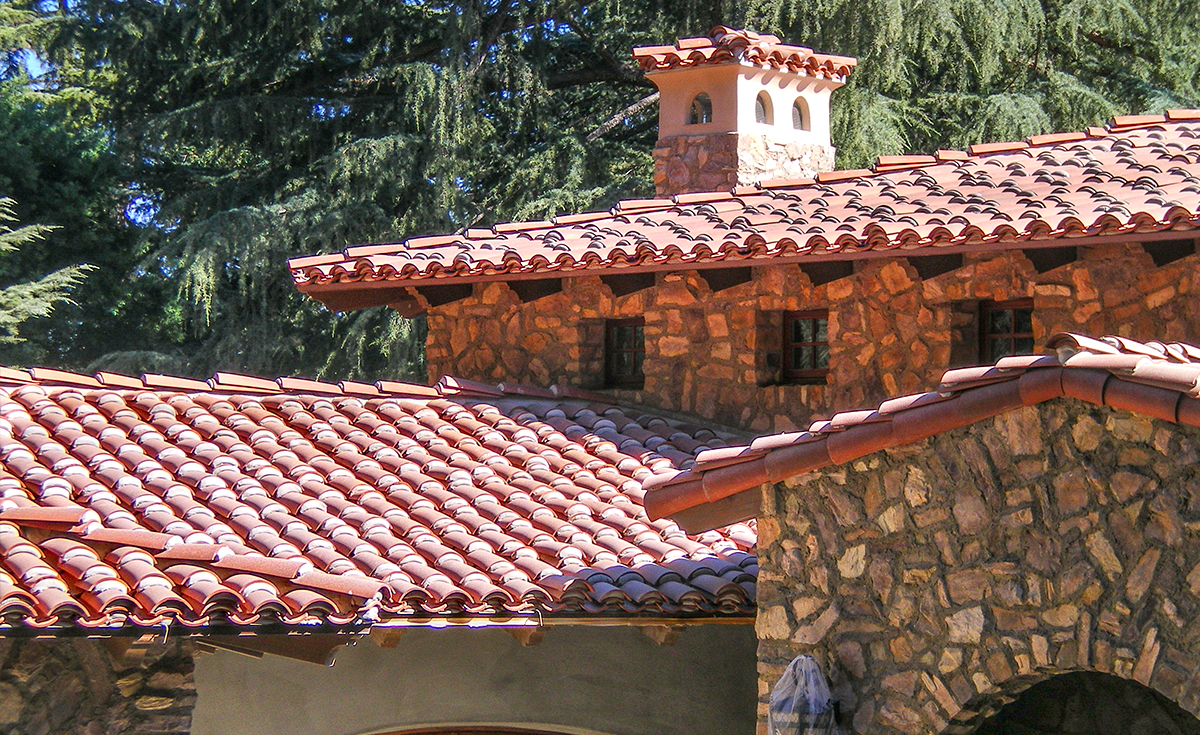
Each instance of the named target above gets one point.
<point>614,681</point>
<point>891,332</point>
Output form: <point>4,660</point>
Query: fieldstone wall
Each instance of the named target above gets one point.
<point>719,162</point>
<point>891,331</point>
<point>937,581</point>
<point>72,686</point>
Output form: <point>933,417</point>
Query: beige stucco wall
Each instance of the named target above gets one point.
<point>614,681</point>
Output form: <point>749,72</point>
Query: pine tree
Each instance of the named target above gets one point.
<point>27,300</point>
<point>251,132</point>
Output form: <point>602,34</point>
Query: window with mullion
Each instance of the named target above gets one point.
<point>805,346</point>
<point>624,352</point>
<point>1007,329</point>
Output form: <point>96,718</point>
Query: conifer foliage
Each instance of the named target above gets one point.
<point>26,300</point>
<point>250,132</point>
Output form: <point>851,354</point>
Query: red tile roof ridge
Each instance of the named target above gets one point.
<point>1159,380</point>
<point>221,382</point>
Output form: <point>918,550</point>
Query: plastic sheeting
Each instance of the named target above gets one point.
<point>800,701</point>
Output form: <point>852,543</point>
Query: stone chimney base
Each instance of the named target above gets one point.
<point>692,163</point>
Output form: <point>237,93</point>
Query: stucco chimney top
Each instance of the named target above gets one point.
<point>739,107</point>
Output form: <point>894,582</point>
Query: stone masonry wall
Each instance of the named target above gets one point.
<point>73,687</point>
<point>719,162</point>
<point>890,331</point>
<point>937,581</point>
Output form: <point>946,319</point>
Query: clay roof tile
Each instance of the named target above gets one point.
<point>202,500</point>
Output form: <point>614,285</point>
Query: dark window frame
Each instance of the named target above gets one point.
<point>636,377</point>
<point>987,334</point>
<point>814,372</point>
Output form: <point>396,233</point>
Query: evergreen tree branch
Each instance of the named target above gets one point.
<point>621,117</point>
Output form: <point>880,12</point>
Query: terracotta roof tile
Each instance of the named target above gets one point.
<point>1143,177</point>
<point>244,501</point>
<point>728,45</point>
<point>1154,379</point>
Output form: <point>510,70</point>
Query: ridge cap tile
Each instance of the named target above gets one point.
<point>116,380</point>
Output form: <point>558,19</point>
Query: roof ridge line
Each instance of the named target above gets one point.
<point>222,381</point>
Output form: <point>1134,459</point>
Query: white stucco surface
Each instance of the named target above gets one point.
<point>613,681</point>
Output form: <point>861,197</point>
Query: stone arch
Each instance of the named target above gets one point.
<point>1079,702</point>
<point>490,729</point>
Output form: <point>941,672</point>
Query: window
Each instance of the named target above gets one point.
<point>701,110</point>
<point>800,114</point>
<point>624,352</point>
<point>1007,329</point>
<point>805,346</point>
<point>762,109</point>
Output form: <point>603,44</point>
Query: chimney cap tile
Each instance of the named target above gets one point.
<point>731,45</point>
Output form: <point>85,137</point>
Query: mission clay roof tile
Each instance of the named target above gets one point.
<point>1140,175</point>
<point>129,502</point>
<point>728,45</point>
<point>1154,379</point>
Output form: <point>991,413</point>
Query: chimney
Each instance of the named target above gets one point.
<point>737,108</point>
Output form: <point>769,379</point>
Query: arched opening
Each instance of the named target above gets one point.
<point>762,109</point>
<point>1084,703</point>
<point>485,730</point>
<point>800,119</point>
<point>701,111</point>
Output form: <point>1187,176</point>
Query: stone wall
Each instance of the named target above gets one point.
<point>721,161</point>
<point>73,687</point>
<point>891,331</point>
<point>937,580</point>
